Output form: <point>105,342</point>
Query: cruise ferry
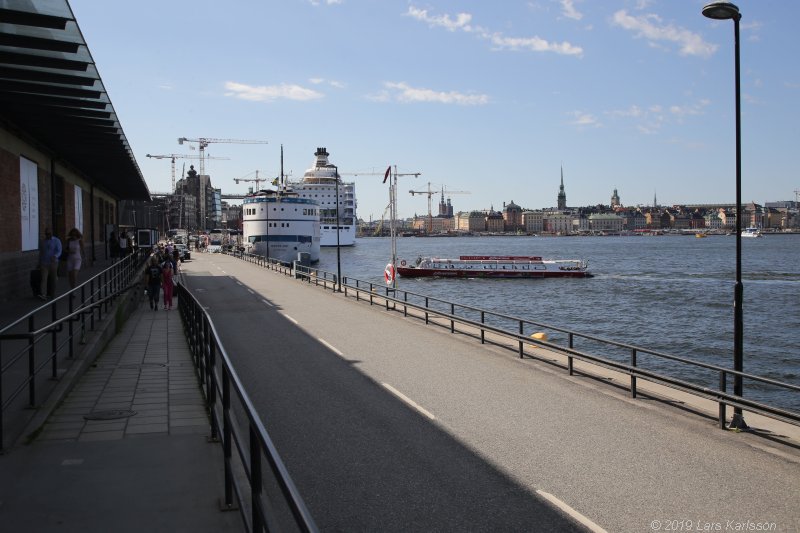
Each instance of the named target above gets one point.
<point>279,224</point>
<point>319,184</point>
<point>494,266</point>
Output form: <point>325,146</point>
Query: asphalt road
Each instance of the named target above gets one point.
<point>386,424</point>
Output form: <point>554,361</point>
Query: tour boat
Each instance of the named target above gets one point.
<point>494,266</point>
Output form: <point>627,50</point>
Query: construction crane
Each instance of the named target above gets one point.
<point>430,193</point>
<point>203,142</point>
<point>257,180</point>
<point>179,156</point>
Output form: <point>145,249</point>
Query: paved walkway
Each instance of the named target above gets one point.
<point>127,449</point>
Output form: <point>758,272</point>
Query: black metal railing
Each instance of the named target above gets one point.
<point>239,425</point>
<point>617,356</point>
<point>25,354</point>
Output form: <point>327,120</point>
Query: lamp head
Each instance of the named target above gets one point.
<point>721,11</point>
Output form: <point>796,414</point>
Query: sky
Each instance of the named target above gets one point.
<point>488,100</point>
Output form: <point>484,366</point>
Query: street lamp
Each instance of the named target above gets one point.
<point>338,250</point>
<point>727,11</point>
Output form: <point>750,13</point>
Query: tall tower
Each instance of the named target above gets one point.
<point>615,199</point>
<point>562,196</point>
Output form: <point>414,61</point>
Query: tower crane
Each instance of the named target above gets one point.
<point>203,142</point>
<point>179,156</point>
<point>430,193</point>
<point>257,180</point>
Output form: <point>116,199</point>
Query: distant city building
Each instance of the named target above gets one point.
<point>557,222</point>
<point>495,223</point>
<point>533,221</point>
<point>512,216</point>
<point>615,200</point>
<point>605,222</point>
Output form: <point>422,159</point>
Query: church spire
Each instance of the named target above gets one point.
<point>562,195</point>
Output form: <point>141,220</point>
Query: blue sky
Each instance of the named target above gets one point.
<point>486,97</point>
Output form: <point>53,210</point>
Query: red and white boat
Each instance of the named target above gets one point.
<point>494,266</point>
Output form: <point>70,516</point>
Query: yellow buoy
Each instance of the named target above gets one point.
<point>539,336</point>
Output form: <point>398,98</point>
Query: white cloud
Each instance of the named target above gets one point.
<point>402,92</point>
<point>535,44</point>
<point>268,93</point>
<point>326,2</point>
<point>652,119</point>
<point>332,83</point>
<point>652,28</point>
<point>584,120</point>
<point>569,11</point>
<point>462,21</point>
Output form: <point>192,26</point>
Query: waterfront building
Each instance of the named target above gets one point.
<point>512,216</point>
<point>558,222</point>
<point>495,223</point>
<point>605,223</point>
<point>532,221</point>
<point>712,220</point>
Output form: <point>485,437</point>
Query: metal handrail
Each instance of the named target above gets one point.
<point>220,384</point>
<point>95,296</point>
<point>633,369</point>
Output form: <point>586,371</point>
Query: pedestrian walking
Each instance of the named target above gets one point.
<point>113,246</point>
<point>74,255</point>
<point>123,245</point>
<point>152,282</point>
<point>167,281</point>
<point>49,253</point>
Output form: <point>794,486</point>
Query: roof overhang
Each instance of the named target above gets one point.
<point>51,91</point>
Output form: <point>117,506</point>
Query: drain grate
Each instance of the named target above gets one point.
<point>111,414</point>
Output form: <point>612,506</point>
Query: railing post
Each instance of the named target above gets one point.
<point>91,292</point>
<point>426,309</point>
<point>53,342</point>
<point>570,359</point>
<point>521,332</point>
<point>211,390</point>
<point>405,301</point>
<point>31,364</point>
<point>723,407</point>
<point>227,444</point>
<point>452,321</point>
<point>633,376</point>
<point>371,288</point>
<point>483,323</point>
<point>255,480</point>
<point>70,328</point>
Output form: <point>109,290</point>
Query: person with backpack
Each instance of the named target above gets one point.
<point>152,275</point>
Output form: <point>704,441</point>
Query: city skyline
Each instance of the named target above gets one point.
<point>630,94</point>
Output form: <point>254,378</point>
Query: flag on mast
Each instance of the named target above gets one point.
<point>388,171</point>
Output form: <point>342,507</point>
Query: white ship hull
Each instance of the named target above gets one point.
<point>280,226</point>
<point>347,235</point>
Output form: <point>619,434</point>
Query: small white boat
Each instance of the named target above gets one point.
<point>752,233</point>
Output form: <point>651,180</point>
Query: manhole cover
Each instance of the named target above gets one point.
<point>111,414</point>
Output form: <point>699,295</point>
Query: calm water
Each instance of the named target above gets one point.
<point>669,293</point>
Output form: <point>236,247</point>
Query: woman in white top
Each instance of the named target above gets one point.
<point>74,255</point>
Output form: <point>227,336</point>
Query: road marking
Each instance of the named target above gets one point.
<point>239,283</point>
<point>251,291</point>
<point>331,347</point>
<point>408,400</point>
<point>571,512</point>
<point>290,318</point>
<point>266,302</point>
